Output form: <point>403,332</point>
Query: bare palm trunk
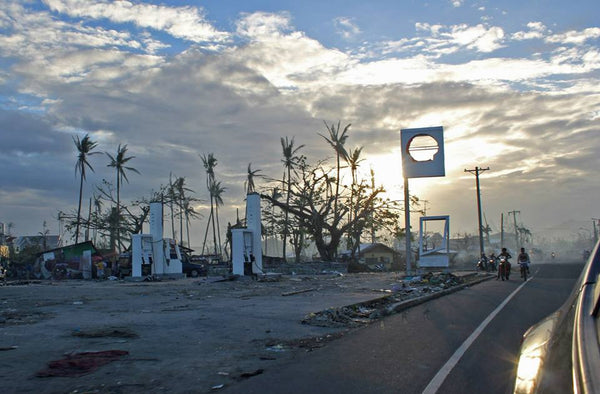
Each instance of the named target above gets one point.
<point>180,221</point>
<point>172,217</point>
<point>206,231</point>
<point>214,231</point>
<point>87,230</point>
<point>118,213</point>
<point>287,204</point>
<point>187,229</point>
<point>218,228</point>
<point>79,210</point>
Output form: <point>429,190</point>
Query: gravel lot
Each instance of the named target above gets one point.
<point>189,335</point>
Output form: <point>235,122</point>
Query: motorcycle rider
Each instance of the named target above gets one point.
<point>523,258</point>
<point>493,261</point>
<point>506,268</point>
<point>483,262</point>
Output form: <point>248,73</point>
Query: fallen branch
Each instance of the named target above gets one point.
<point>289,293</point>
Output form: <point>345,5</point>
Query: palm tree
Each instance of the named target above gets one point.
<point>353,159</point>
<point>171,192</point>
<point>118,162</point>
<point>189,212</point>
<point>289,161</point>
<point>337,141</point>
<point>217,191</point>
<point>84,146</point>
<point>275,194</point>
<point>181,189</point>
<point>250,181</point>
<point>210,162</point>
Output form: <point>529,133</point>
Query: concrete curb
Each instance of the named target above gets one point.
<point>387,305</point>
<point>403,305</point>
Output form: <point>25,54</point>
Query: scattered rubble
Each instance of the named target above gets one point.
<point>409,288</point>
<point>13,317</point>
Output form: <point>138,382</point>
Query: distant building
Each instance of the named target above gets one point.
<point>374,254</point>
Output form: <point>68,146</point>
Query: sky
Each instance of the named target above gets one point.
<point>514,84</point>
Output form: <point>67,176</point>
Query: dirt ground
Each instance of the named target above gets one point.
<point>176,336</point>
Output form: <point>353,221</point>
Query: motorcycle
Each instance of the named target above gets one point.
<point>492,264</point>
<point>482,264</point>
<point>523,265</point>
<point>504,268</point>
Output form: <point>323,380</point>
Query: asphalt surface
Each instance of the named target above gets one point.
<point>403,352</point>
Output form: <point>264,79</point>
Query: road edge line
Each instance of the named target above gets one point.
<point>443,373</point>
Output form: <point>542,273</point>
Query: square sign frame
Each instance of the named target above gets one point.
<point>412,168</point>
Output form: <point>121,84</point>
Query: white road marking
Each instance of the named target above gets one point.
<point>443,373</point>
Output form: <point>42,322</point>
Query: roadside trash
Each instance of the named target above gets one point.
<point>227,278</point>
<point>223,373</point>
<point>276,348</point>
<point>250,374</point>
<point>112,278</point>
<point>79,364</point>
<point>77,302</point>
<point>269,277</point>
<point>410,287</point>
<point>217,387</point>
<point>4,348</point>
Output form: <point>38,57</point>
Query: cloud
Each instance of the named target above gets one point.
<point>263,26</point>
<point>346,28</point>
<point>287,58</point>
<point>575,37</point>
<point>529,117</point>
<point>187,23</point>
<point>444,40</point>
<point>536,31</point>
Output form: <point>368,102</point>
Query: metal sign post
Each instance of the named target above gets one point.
<point>422,156</point>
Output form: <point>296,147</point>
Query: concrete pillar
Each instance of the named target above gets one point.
<point>136,255</point>
<point>156,229</point>
<point>253,222</point>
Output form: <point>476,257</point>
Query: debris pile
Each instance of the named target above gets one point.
<point>367,312</point>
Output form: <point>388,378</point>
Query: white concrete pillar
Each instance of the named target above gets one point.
<point>156,229</point>
<point>136,255</point>
<point>253,223</point>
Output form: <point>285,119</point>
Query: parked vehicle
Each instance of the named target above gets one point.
<point>561,354</point>
<point>193,269</point>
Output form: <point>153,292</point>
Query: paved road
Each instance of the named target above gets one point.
<point>403,353</point>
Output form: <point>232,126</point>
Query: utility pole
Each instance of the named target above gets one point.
<point>514,213</point>
<point>594,220</point>
<point>502,230</point>
<point>425,222</point>
<point>478,171</point>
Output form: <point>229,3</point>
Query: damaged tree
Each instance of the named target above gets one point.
<point>323,213</point>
